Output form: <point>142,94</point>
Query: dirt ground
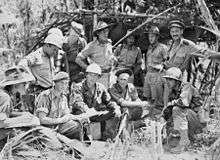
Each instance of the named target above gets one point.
<point>134,152</point>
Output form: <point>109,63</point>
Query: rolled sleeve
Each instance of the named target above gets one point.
<point>86,52</point>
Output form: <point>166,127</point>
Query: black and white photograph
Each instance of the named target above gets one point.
<point>109,80</point>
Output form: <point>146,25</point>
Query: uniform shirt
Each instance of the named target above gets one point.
<point>127,58</point>
<point>156,54</point>
<point>82,98</point>
<point>51,103</point>
<point>98,53</point>
<point>118,94</point>
<point>42,67</point>
<point>73,46</point>
<point>5,103</point>
<point>179,55</point>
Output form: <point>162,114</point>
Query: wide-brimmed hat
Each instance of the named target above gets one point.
<point>173,73</point>
<point>61,76</point>
<point>123,70</point>
<point>176,23</point>
<point>101,26</point>
<point>78,27</point>
<point>16,75</point>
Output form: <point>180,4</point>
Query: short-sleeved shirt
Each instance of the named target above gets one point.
<point>118,94</point>
<point>156,54</point>
<point>179,55</point>
<point>42,67</point>
<point>5,103</point>
<point>73,46</point>
<point>98,53</point>
<point>128,57</point>
<point>82,98</point>
<point>54,105</point>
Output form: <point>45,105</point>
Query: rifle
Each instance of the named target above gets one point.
<point>122,126</point>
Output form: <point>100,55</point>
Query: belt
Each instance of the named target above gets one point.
<point>151,69</point>
<point>106,70</point>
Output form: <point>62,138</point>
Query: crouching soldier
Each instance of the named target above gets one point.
<point>12,89</point>
<point>53,111</point>
<point>184,108</point>
<point>91,94</point>
<point>126,96</point>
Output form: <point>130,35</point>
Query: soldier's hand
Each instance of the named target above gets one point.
<point>66,118</point>
<point>145,104</point>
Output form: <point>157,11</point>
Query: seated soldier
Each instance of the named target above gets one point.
<point>126,96</point>
<point>53,111</point>
<point>184,106</point>
<point>91,94</point>
<point>12,89</point>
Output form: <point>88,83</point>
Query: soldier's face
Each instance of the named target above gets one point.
<point>123,80</point>
<point>92,78</point>
<point>103,35</point>
<point>52,50</point>
<point>152,38</point>
<point>176,33</point>
<point>130,40</point>
<point>63,85</point>
<point>172,83</point>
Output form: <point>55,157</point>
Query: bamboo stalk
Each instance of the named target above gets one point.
<point>143,24</point>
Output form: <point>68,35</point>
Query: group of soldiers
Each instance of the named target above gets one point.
<point>81,85</point>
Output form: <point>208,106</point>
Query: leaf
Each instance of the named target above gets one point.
<point>30,153</point>
<point>216,32</point>
<point>52,140</point>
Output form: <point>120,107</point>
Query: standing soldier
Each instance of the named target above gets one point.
<point>75,43</point>
<point>129,56</point>
<point>41,62</point>
<point>156,56</point>
<point>99,51</point>
<point>41,65</point>
<point>180,48</point>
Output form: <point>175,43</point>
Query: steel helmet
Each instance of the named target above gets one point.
<point>174,73</point>
<point>55,40</point>
<point>56,31</point>
<point>94,68</point>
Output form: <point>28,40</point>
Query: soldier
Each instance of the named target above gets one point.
<point>92,94</point>
<point>99,51</point>
<point>185,118</point>
<point>180,49</point>
<point>75,43</point>
<point>128,55</point>
<point>126,96</point>
<point>41,62</point>
<point>13,88</point>
<point>53,111</point>
<point>155,58</point>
